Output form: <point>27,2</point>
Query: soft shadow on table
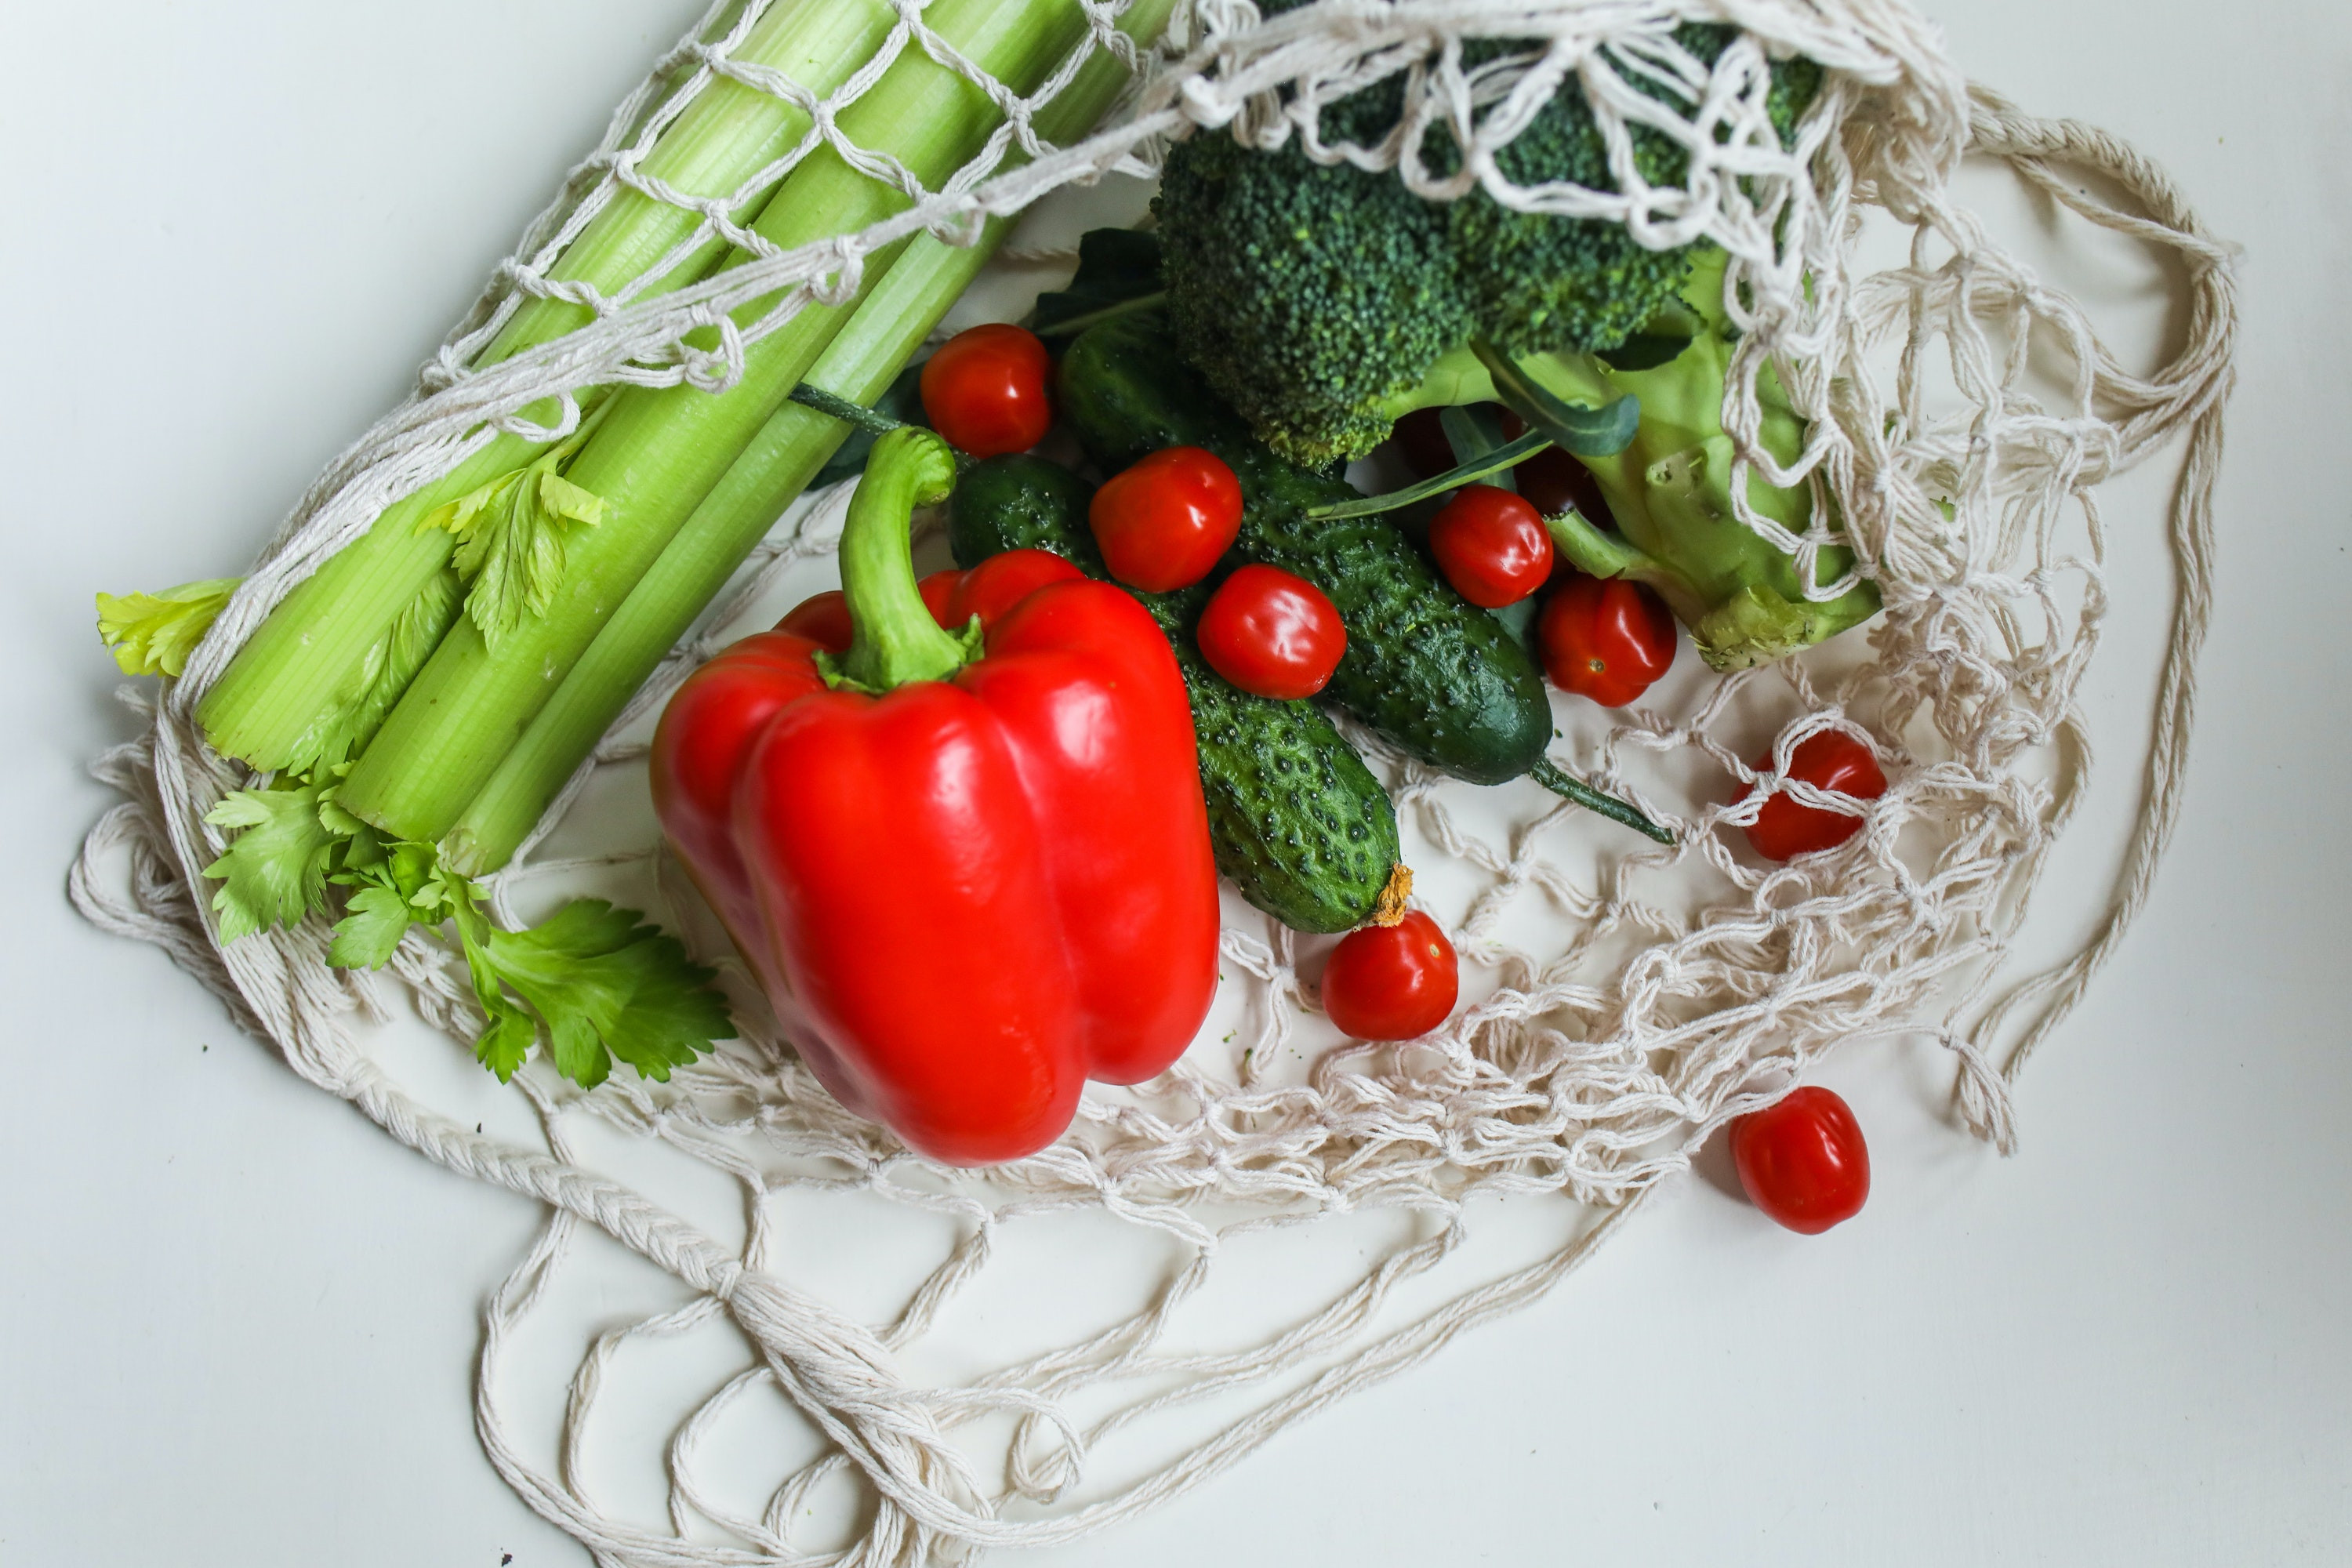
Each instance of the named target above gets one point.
<point>1713,1163</point>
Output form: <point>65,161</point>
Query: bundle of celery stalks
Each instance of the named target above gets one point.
<point>422,698</point>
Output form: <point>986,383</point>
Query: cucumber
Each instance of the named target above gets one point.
<point>1439,677</point>
<point>1423,667</point>
<point>1298,824</point>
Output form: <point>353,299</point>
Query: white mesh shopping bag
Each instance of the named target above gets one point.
<point>1628,999</point>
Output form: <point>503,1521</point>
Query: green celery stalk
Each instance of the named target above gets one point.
<point>795,443</point>
<point>660,453</point>
<point>290,688</point>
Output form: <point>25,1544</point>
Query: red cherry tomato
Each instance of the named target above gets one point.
<point>1830,759</point>
<point>1606,638</point>
<point>1491,546</point>
<point>1391,982</point>
<point>1001,582</point>
<point>1803,1160</point>
<point>822,618</point>
<point>985,391</point>
<point>1163,523</point>
<point>1272,634</point>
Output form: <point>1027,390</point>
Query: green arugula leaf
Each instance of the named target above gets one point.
<point>1501,460</point>
<point>1587,432</point>
<point>1475,434</point>
<point>511,547</point>
<point>366,937</point>
<point>275,871</point>
<point>1645,350</point>
<point>153,634</point>
<point>1119,270</point>
<point>602,983</point>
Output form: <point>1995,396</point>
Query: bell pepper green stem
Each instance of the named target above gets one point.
<point>894,639</point>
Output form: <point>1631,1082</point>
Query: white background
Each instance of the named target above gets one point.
<point>236,1322</point>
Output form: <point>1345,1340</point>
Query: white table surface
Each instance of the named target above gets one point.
<point>236,1322</point>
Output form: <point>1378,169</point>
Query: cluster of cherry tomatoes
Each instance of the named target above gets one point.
<point>1606,638</point>
<point>1164,523</point>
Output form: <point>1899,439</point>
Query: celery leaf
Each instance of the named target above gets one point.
<point>153,634</point>
<point>391,662</point>
<point>275,870</point>
<point>369,933</point>
<point>601,981</point>
<point>503,1046</point>
<point>510,544</point>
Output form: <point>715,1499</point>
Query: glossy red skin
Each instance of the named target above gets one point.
<point>1828,760</point>
<point>1163,523</point>
<point>953,597</point>
<point>1393,982</point>
<point>822,618</point>
<point>980,892</point>
<point>1803,1160</point>
<point>937,590</point>
<point>1272,634</point>
<point>985,389</point>
<point>1606,638</point>
<point>1491,546</point>
<point>1001,582</point>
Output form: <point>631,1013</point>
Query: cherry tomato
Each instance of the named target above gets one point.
<point>1001,582</point>
<point>1491,546</point>
<point>1830,759</point>
<point>1803,1160</point>
<point>1272,634</point>
<point>822,618</point>
<point>1391,982</point>
<point>985,391</point>
<point>1606,638</point>
<point>937,589</point>
<point>1163,523</point>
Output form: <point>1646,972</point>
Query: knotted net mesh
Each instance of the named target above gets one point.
<point>1628,1000</point>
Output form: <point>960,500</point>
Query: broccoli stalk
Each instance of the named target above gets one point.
<point>1670,492</point>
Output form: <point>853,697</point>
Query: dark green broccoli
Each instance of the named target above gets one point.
<point>1540,283</point>
<point>1317,299</point>
<point>1307,295</point>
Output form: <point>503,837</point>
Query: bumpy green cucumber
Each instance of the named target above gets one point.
<point>1299,823</point>
<point>1423,667</point>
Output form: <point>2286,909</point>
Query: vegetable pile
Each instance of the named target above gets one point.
<point>1032,770</point>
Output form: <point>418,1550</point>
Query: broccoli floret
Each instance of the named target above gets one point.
<point>1307,295</point>
<point>1317,299</point>
<point>1540,283</point>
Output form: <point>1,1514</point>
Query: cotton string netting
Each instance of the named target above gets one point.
<point>1670,989</point>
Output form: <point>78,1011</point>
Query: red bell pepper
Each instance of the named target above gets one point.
<point>981,878</point>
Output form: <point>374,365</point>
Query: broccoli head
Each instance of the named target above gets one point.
<point>1307,295</point>
<point>1316,299</point>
